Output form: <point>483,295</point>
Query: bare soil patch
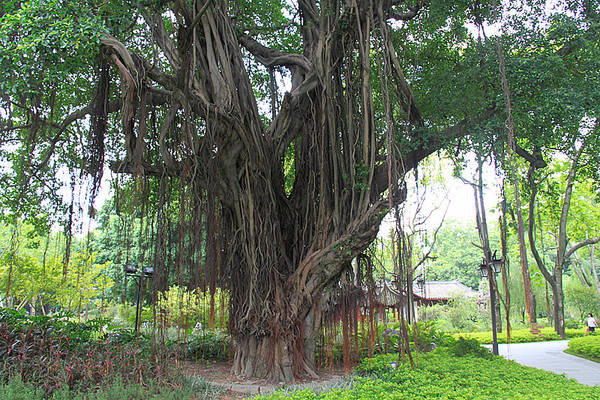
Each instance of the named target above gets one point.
<point>236,387</point>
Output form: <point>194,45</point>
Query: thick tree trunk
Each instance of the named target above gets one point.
<point>559,308</point>
<point>549,308</point>
<point>530,303</point>
<point>282,356</point>
<point>529,295</point>
<point>591,250</point>
<point>267,356</point>
<point>505,267</point>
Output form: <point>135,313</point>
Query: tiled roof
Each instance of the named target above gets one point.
<point>443,290</point>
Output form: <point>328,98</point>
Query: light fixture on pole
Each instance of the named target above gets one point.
<point>489,267</point>
<point>420,283</point>
<point>146,272</point>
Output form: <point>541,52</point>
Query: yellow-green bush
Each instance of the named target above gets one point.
<point>586,345</point>
<point>181,307</point>
<point>521,335</point>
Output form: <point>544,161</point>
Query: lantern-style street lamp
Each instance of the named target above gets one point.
<point>420,283</point>
<point>489,267</point>
<point>146,272</point>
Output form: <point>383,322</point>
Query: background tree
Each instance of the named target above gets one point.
<point>565,88</point>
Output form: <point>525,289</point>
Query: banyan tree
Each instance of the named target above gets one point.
<point>292,123</point>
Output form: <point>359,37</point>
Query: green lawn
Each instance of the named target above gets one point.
<point>521,335</point>
<point>440,375</point>
<point>586,346</point>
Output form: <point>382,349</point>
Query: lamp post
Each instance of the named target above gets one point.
<point>420,283</point>
<point>131,270</point>
<point>488,269</point>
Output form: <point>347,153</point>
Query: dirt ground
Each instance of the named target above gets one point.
<point>237,388</point>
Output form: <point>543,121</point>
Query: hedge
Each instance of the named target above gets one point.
<point>586,345</point>
<point>440,375</point>
<point>521,335</point>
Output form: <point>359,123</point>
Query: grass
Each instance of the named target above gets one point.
<point>586,346</point>
<point>443,376</point>
<point>521,335</point>
<point>587,357</point>
<point>193,389</point>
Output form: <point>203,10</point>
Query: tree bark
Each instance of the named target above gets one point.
<point>562,254</point>
<point>285,244</point>
<point>482,230</point>
<point>591,251</point>
<point>512,148</point>
<point>505,267</point>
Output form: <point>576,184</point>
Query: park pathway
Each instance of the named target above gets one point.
<point>551,357</point>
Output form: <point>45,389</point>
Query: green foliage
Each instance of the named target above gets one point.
<point>54,354</point>
<point>425,335</point>
<point>16,389</point>
<point>440,375</point>
<point>459,315</point>
<point>457,258</point>
<point>582,300</point>
<point>521,335</point>
<point>181,307</point>
<point>463,347</point>
<point>32,281</point>
<point>586,345</point>
<point>85,280</point>
<point>208,345</point>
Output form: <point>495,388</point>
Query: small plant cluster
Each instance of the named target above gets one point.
<point>586,346</point>
<point>208,345</point>
<point>16,389</point>
<point>52,354</point>
<point>441,375</point>
<point>463,347</point>
<point>521,335</point>
<point>423,336</point>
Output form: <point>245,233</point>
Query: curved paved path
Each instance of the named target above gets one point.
<point>551,357</point>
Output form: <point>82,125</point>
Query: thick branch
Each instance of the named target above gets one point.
<point>562,227</point>
<point>163,39</point>
<point>77,115</point>
<point>531,228</point>
<point>271,57</point>
<point>409,14</point>
<point>426,148</point>
<point>535,159</point>
<point>577,246</point>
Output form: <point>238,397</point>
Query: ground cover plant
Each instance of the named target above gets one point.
<point>443,375</point>
<point>521,335</point>
<point>52,357</point>
<point>16,389</point>
<point>586,346</point>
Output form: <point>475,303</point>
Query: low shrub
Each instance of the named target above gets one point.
<point>463,347</point>
<point>572,323</point>
<point>208,345</point>
<point>52,354</point>
<point>16,389</point>
<point>586,345</point>
<point>424,335</point>
<point>520,335</point>
<point>440,375</point>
